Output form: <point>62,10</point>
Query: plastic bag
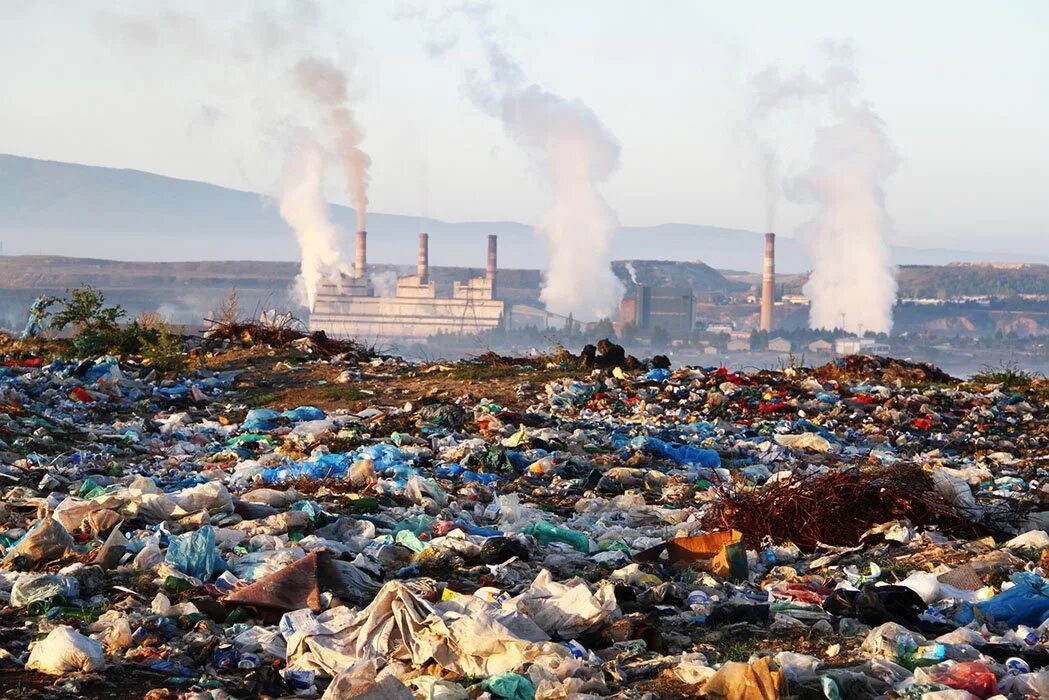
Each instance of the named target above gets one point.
<point>510,686</point>
<point>194,554</point>
<point>971,676</point>
<point>433,688</point>
<point>260,420</point>
<point>73,511</point>
<point>303,413</point>
<point>30,589</point>
<point>419,489</point>
<point>66,651</point>
<point>682,454</point>
<point>805,441</point>
<point>722,553</point>
<point>113,630</point>
<point>739,681</point>
<point>149,558</point>
<point>212,497</point>
<point>566,609</point>
<point>545,533</point>
<point>312,430</point>
<point>951,484</point>
<point>1026,603</point>
<point>46,541</point>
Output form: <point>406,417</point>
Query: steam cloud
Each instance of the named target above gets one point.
<point>263,45</point>
<point>576,154</point>
<point>328,86</point>
<point>852,284</point>
<point>302,205</point>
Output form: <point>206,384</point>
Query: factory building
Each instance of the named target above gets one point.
<point>669,308</point>
<point>524,316</point>
<point>348,308</point>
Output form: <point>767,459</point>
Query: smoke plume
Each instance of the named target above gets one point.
<point>328,86</point>
<point>266,61</point>
<point>303,206</point>
<point>852,284</point>
<point>567,140</point>
<point>575,152</point>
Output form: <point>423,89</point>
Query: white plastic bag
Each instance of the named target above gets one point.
<point>211,496</point>
<point>29,589</point>
<point>66,651</point>
<point>113,630</point>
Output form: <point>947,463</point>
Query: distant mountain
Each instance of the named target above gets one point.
<point>57,208</point>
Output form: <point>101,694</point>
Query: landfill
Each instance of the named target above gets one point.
<point>303,519</point>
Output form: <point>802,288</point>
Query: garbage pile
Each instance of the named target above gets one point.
<point>871,528</point>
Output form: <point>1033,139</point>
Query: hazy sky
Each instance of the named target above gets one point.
<point>963,88</point>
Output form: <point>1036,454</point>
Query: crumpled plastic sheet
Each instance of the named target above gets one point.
<point>464,635</point>
<point>565,610</point>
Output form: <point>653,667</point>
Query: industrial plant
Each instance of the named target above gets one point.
<point>349,307</point>
<point>416,307</point>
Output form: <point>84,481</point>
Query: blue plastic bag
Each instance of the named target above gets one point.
<point>658,375</point>
<point>194,554</point>
<point>98,371</point>
<point>1026,603</point>
<point>304,413</point>
<point>260,419</point>
<point>388,460</point>
<point>470,477</point>
<point>682,454</point>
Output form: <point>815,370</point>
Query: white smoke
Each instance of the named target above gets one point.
<point>852,284</point>
<point>383,282</point>
<point>266,60</point>
<point>303,206</point>
<point>328,86</point>
<point>575,152</point>
<point>631,271</point>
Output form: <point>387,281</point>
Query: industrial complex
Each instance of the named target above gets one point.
<point>415,309</point>
<point>348,307</point>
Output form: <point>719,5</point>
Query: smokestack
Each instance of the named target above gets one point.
<point>768,281</point>
<point>423,265</point>
<point>361,262</point>
<point>490,272</point>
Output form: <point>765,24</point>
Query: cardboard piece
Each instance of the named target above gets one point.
<point>292,588</point>
<point>721,553</point>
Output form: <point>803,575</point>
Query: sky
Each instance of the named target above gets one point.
<point>961,87</point>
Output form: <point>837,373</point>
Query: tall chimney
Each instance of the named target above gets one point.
<point>361,263</point>
<point>768,282</point>
<point>490,272</point>
<point>423,265</point>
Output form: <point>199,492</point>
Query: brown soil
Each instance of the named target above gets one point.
<point>287,379</point>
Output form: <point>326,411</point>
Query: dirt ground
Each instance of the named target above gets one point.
<point>288,379</point>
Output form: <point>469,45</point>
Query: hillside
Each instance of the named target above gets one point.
<point>951,281</point>
<point>86,211</point>
<point>666,273</point>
